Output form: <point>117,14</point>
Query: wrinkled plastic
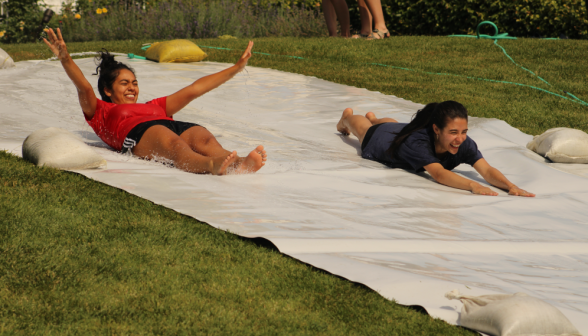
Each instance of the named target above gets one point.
<point>404,235</point>
<point>175,51</point>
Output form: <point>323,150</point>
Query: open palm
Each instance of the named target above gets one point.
<point>245,57</point>
<point>56,44</point>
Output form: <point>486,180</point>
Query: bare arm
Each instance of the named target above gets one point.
<point>451,179</point>
<point>180,99</point>
<point>86,94</point>
<point>497,179</point>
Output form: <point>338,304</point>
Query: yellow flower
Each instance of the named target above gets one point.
<point>21,28</point>
<point>99,11</point>
<point>78,16</point>
<point>104,10</point>
<point>2,33</point>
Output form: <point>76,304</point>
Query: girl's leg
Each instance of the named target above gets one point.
<point>203,142</point>
<point>330,17</point>
<point>160,142</point>
<point>372,118</point>
<point>375,7</point>
<point>353,124</point>
<point>366,18</point>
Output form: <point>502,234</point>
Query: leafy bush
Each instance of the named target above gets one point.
<point>523,18</point>
<point>23,21</point>
<point>168,20</point>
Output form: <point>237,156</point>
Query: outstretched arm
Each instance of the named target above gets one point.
<point>497,179</point>
<point>489,173</point>
<point>451,179</point>
<point>85,92</point>
<point>180,99</point>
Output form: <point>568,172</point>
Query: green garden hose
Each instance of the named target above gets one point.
<point>496,36</point>
<point>572,99</point>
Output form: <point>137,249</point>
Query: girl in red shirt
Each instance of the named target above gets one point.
<point>148,130</point>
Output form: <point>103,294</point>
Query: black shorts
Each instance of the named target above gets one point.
<point>368,135</point>
<point>137,132</point>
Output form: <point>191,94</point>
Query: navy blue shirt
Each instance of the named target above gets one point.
<point>417,151</point>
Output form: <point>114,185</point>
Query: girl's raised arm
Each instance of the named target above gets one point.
<point>180,99</point>
<point>85,91</point>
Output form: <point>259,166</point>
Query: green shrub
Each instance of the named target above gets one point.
<point>190,19</point>
<point>523,18</point>
<point>23,21</point>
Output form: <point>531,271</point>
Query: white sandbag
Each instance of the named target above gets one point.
<point>5,60</point>
<point>58,148</point>
<point>563,145</point>
<point>512,315</point>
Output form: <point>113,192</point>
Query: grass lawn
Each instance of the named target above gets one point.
<point>79,257</point>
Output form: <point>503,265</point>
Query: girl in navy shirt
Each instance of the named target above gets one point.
<point>435,140</point>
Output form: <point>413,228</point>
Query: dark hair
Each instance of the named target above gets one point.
<point>432,114</point>
<point>107,71</point>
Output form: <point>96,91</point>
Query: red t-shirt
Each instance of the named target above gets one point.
<point>112,122</point>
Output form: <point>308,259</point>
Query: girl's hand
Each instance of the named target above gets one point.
<point>516,191</point>
<point>245,57</point>
<point>478,189</point>
<point>57,45</point>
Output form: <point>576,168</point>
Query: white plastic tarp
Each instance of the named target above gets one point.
<point>401,234</point>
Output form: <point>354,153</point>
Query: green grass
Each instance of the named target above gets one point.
<point>345,61</point>
<point>79,257</point>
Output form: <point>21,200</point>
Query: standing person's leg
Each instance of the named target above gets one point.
<point>203,142</point>
<point>160,142</point>
<point>380,29</point>
<point>330,17</point>
<point>366,19</point>
<point>372,118</point>
<point>343,16</point>
<point>353,124</point>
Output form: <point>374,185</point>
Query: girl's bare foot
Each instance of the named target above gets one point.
<point>341,124</point>
<point>221,163</point>
<point>252,163</point>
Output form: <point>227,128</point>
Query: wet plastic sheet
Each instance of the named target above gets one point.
<point>401,234</point>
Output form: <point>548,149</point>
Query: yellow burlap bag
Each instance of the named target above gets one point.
<point>175,51</point>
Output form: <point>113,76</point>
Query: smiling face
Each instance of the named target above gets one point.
<point>451,136</point>
<point>125,89</point>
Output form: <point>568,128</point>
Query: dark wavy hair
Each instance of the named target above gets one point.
<point>432,114</point>
<point>107,71</point>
